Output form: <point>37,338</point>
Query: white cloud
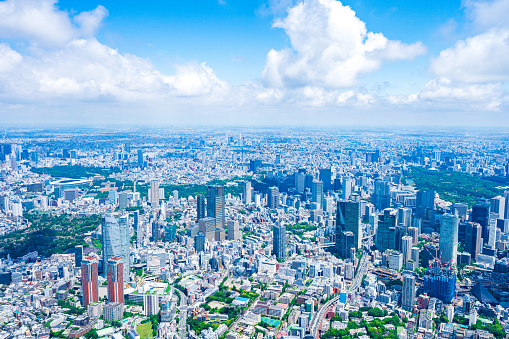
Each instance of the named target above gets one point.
<point>42,24</point>
<point>488,14</point>
<point>482,58</point>
<point>195,79</point>
<point>331,48</point>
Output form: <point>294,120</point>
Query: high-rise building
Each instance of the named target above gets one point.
<point>473,233</point>
<point>449,238</point>
<point>408,292</point>
<point>89,280</point>
<point>216,205</point>
<point>123,200</point>
<point>154,193</point>
<point>199,242</point>
<point>386,235</point>
<point>156,231</point>
<point>115,240</point>
<point>273,197</point>
<point>506,198</point>
<point>460,210</point>
<point>279,241</point>
<point>497,205</point>
<point>140,157</point>
<point>115,280</point>
<point>381,198</point>
<point>346,188</point>
<point>170,232</point>
<point>233,230</point>
<point>317,193</point>
<point>345,242</point>
<point>200,207</point>
<point>405,216</point>
<point>414,233</point>
<point>406,248</point>
<point>208,227</point>
<point>348,219</point>
<point>246,190</point>
<point>150,304</point>
<point>481,215</point>
<point>78,256</point>
<point>425,202</point>
<point>326,178</point>
<point>300,179</point>
<point>440,282</point>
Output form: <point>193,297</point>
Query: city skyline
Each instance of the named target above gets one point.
<point>255,64</point>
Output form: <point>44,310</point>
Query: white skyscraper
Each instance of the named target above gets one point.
<point>408,295</point>
<point>246,185</point>
<point>154,193</point>
<point>115,240</point>
<point>406,247</point>
<point>449,237</point>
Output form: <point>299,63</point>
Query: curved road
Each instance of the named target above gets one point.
<point>318,316</point>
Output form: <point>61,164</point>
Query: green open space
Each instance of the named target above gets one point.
<point>144,330</point>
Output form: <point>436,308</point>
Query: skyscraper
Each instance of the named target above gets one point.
<point>414,233</point>
<point>78,256</point>
<point>506,198</point>
<point>449,238</point>
<point>199,242</point>
<point>317,193</point>
<point>326,178</point>
<point>273,198</point>
<point>497,205</point>
<point>233,231</point>
<point>381,197</point>
<point>156,231</point>
<point>481,215</point>
<point>115,280</point>
<point>425,202</point>
<point>200,207</point>
<point>208,227</point>
<point>440,282</point>
<point>300,182</point>
<point>154,193</point>
<point>89,280</point>
<point>386,235</point>
<point>346,188</point>
<point>170,232</point>
<point>279,241</point>
<point>140,157</point>
<point>406,248</point>
<point>348,219</point>
<point>115,237</point>
<point>408,293</point>
<point>216,204</point>
<point>246,190</point>
<point>345,242</point>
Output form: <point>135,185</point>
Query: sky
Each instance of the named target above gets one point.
<point>255,63</point>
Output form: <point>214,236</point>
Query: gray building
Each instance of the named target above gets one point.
<point>279,241</point>
<point>449,237</point>
<point>115,240</point>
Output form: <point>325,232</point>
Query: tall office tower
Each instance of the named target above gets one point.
<point>246,189</point>
<point>139,233</point>
<point>497,205</point>
<point>328,205</point>
<point>150,304</point>
<point>233,230</point>
<point>440,282</point>
<point>415,254</point>
<point>407,243</point>
<point>140,157</point>
<point>199,242</point>
<point>326,178</point>
<point>408,293</point>
<point>345,242</point>
<point>208,227</point>
<point>89,280</point>
<point>115,237</point>
<point>115,280</point>
<point>506,198</point>
<point>216,204</point>
<point>279,241</point>
<point>123,200</point>
<point>299,182</point>
<point>386,235</point>
<point>382,195</point>
<point>449,238</point>
<point>200,207</point>
<point>492,231</point>
<point>254,165</point>
<point>425,203</point>
<point>405,216</point>
<point>170,232</point>
<point>156,231</point>
<point>473,234</point>
<point>481,215</point>
<point>414,233</point>
<point>346,188</point>
<point>317,193</point>
<point>348,219</point>
<point>154,193</point>
<point>78,256</point>
<point>460,210</point>
<point>308,181</point>
<point>273,198</point>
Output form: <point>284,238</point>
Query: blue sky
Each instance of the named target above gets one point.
<point>320,62</point>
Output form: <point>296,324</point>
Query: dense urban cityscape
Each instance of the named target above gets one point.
<point>254,233</point>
